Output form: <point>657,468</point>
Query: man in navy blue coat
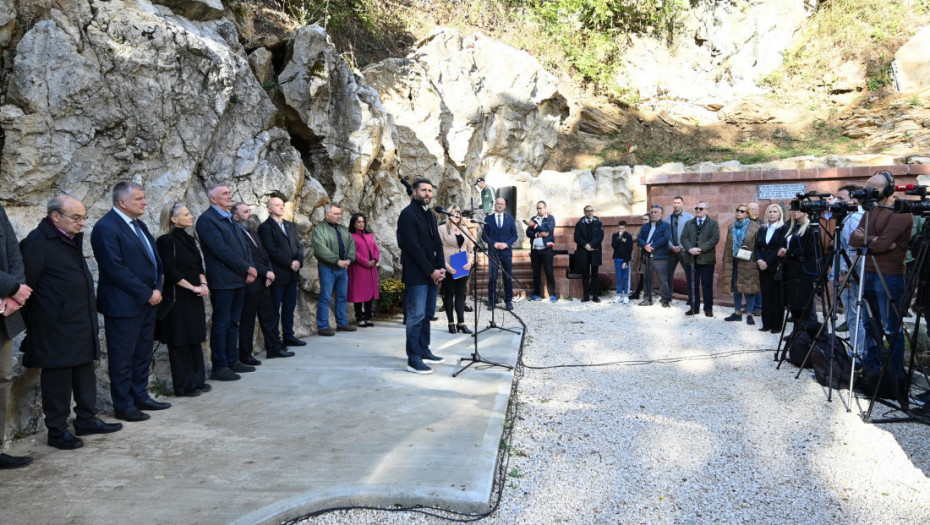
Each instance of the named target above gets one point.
<point>653,239</point>
<point>423,268</point>
<point>228,262</point>
<point>128,290</point>
<point>500,232</point>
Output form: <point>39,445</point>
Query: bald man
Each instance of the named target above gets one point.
<point>281,241</point>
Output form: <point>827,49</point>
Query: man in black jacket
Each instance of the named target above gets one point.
<point>65,350</point>
<point>589,233</point>
<point>13,295</point>
<point>257,300</point>
<point>281,241</point>
<point>423,269</point>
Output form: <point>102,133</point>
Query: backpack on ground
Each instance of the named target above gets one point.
<point>841,366</point>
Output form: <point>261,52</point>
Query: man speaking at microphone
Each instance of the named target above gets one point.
<point>423,268</point>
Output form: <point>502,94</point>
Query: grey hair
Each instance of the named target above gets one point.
<point>57,204</point>
<point>329,207</point>
<point>212,188</point>
<point>122,190</point>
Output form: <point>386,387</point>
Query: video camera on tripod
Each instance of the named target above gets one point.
<point>814,204</point>
<point>918,207</point>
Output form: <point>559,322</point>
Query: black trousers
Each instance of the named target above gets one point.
<point>258,301</point>
<point>453,294</point>
<point>58,384</point>
<point>703,280</point>
<point>673,260</point>
<point>188,371</point>
<point>773,300</point>
<point>363,311</point>
<point>542,259</point>
<point>589,279</point>
<point>506,263</point>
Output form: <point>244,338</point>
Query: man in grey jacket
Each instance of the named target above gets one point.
<point>676,253</point>
<point>15,292</point>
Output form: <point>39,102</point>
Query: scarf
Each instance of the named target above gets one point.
<point>740,228</point>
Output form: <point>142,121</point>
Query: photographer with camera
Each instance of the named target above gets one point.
<point>888,236</point>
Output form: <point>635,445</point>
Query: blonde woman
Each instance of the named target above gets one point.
<point>765,254</point>
<point>453,290</point>
<point>800,251</point>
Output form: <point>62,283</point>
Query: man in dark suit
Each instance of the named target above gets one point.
<point>423,268</point>
<point>500,232</point>
<point>128,290</point>
<point>589,234</point>
<point>65,350</point>
<point>654,238</point>
<point>14,292</point>
<point>280,239</point>
<point>257,298</point>
<point>229,266</point>
<point>699,239</point>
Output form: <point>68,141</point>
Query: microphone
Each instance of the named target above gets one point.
<point>905,187</point>
<point>443,211</point>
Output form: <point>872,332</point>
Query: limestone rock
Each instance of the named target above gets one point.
<point>7,22</point>
<point>849,76</point>
<point>911,65</point>
<point>459,116</point>
<point>261,64</point>
<point>598,122</point>
<point>194,9</point>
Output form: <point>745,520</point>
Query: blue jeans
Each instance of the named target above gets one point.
<point>332,280</point>
<point>880,303</point>
<point>224,332</point>
<point>623,276</point>
<point>421,306</point>
<point>738,297</point>
<point>286,295</point>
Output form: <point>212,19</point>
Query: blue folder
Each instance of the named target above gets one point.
<point>458,262</point>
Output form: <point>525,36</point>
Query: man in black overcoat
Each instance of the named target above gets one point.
<point>61,323</point>
<point>589,234</point>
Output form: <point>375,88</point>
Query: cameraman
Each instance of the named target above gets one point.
<point>889,235</point>
<point>850,294</point>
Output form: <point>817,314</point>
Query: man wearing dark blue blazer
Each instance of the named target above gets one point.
<point>500,232</point>
<point>228,262</point>
<point>654,238</point>
<point>128,291</point>
<point>423,267</point>
<point>283,245</point>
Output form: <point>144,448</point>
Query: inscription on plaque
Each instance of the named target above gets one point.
<point>774,192</point>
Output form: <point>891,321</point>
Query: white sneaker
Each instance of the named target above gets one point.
<point>618,300</point>
<point>626,300</point>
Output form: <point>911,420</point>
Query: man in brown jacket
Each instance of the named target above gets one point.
<point>889,234</point>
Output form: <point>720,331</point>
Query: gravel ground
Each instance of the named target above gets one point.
<point>703,429</point>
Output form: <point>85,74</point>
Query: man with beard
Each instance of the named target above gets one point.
<point>423,268</point>
<point>257,296</point>
<point>65,350</point>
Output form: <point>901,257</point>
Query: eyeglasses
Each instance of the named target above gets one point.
<point>75,218</point>
<point>698,208</point>
<point>589,211</point>
<point>740,211</point>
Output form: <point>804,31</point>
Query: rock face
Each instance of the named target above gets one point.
<point>911,65</point>
<point>733,46</point>
<point>467,107</point>
<point>195,9</point>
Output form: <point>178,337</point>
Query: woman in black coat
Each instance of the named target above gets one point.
<point>769,239</point>
<point>185,327</point>
<point>800,249</point>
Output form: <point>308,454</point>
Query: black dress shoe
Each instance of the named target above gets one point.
<point>293,341</point>
<point>279,353</point>
<point>205,388</point>
<point>193,393</point>
<point>64,440</point>
<point>10,462</point>
<point>151,404</point>
<point>691,312</point>
<point>708,313</point>
<point>250,360</point>
<point>469,308</point>
<point>585,299</point>
<point>224,374</point>
<point>596,299</point>
<point>95,426</point>
<point>241,368</point>
<point>133,414</point>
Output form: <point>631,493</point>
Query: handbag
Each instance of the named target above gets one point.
<point>779,271</point>
<point>744,255</point>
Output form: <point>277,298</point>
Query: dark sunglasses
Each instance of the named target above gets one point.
<point>698,208</point>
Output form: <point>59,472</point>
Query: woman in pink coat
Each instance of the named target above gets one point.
<point>363,272</point>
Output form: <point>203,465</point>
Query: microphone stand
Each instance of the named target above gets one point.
<point>475,355</point>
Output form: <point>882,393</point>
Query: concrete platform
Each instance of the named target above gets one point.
<point>340,423</point>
